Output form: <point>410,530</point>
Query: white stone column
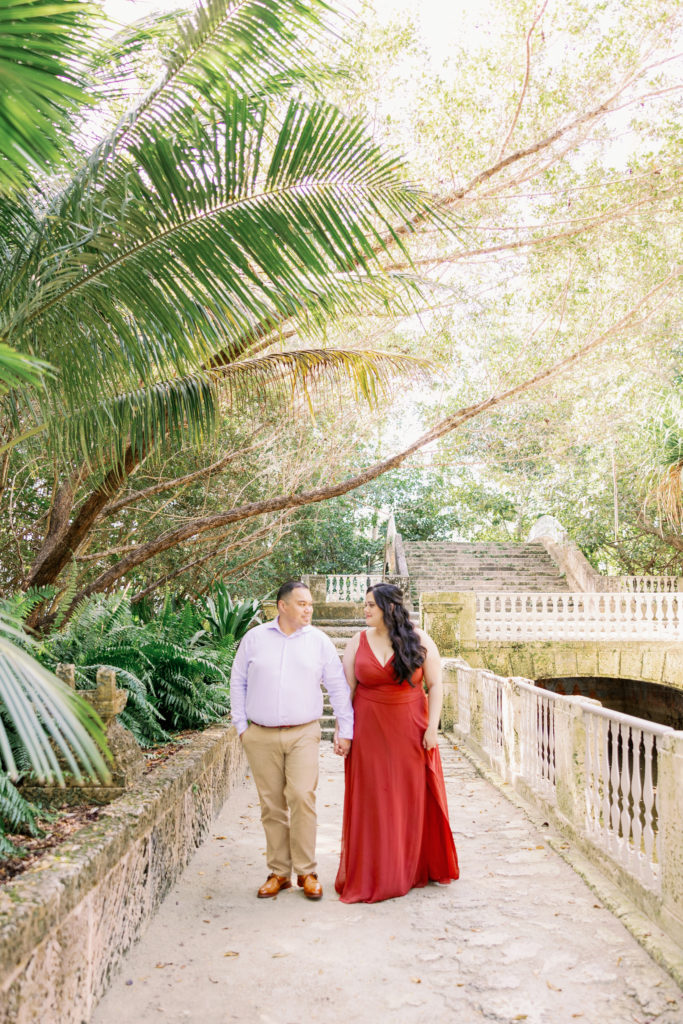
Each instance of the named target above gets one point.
<point>570,762</point>
<point>670,808</point>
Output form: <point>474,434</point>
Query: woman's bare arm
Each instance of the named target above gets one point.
<point>433,678</point>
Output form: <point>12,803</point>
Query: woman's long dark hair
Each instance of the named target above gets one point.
<point>409,654</point>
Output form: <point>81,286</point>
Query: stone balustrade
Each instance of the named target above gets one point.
<point>611,782</point>
<point>507,616</point>
<point>345,589</point>
<point>649,584</point>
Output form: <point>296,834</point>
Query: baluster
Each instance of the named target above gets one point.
<point>525,627</point>
<point>596,613</point>
<point>515,617</point>
<point>536,733</point>
<point>648,807</point>
<point>552,762</point>
<point>625,784</point>
<point>533,738</point>
<point>636,792</point>
<point>483,607</point>
<point>538,739</point>
<point>590,784</point>
<point>524,733</point>
<point>570,616</point>
<point>543,740</point>
<point>598,726</point>
<point>604,778</point>
<point>615,729</point>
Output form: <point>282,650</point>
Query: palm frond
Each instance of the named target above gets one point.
<point>43,74</point>
<point>665,474</point>
<point>185,409</point>
<point>201,247</point>
<point>18,369</point>
<point>214,222</point>
<point>43,709</point>
<point>226,48</point>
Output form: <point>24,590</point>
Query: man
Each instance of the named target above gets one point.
<point>276,706</point>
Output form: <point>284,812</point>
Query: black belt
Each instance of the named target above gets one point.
<point>297,725</point>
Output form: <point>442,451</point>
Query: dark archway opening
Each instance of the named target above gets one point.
<point>651,701</point>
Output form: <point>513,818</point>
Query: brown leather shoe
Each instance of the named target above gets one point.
<point>310,885</point>
<point>272,886</point>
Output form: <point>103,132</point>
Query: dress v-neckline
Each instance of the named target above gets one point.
<point>367,640</point>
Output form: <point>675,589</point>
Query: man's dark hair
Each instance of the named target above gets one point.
<point>288,587</point>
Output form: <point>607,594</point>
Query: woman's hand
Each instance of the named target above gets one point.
<point>430,738</point>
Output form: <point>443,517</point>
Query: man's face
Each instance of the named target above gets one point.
<point>296,608</point>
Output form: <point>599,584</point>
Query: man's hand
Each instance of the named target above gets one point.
<point>341,747</point>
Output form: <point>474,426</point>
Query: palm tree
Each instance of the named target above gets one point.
<point>155,277</point>
<point>40,88</point>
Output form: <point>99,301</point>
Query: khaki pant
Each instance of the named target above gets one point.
<point>284,765</point>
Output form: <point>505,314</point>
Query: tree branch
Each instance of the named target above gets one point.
<point>220,549</point>
<point>527,71</point>
<point>288,501</point>
<point>180,481</point>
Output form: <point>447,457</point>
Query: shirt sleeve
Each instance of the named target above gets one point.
<point>335,683</point>
<point>238,686</point>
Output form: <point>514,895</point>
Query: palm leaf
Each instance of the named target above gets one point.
<point>186,409</point>
<point>46,714</point>
<point>17,369</point>
<point>43,72</point>
<point>202,248</point>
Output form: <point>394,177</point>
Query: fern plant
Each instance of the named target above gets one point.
<point>16,815</point>
<point>176,674</point>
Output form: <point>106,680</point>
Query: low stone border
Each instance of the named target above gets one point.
<point>66,924</point>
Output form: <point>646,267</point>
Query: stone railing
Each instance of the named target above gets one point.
<point>347,589</point>
<point>613,783</point>
<point>506,616</point>
<point>649,584</point>
<point>580,574</point>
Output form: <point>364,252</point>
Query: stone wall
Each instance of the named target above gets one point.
<point>66,924</point>
<point>580,574</point>
<point>650,661</point>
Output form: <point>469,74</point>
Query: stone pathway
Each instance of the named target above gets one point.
<point>518,938</point>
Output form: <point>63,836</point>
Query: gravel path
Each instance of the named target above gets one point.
<point>519,937</point>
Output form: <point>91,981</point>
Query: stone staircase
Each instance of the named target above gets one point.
<point>339,631</point>
<point>442,565</point>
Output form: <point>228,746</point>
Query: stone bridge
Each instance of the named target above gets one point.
<point>536,610</point>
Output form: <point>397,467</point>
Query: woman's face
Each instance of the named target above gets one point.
<point>372,611</point>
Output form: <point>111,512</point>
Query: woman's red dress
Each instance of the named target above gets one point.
<point>395,832</point>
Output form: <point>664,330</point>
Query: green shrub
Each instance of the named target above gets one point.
<point>223,617</point>
<point>177,677</point>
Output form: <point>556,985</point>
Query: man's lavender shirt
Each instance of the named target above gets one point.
<point>276,679</point>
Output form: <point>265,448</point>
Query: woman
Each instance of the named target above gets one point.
<point>395,832</point>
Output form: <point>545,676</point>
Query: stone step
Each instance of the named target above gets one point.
<point>342,630</point>
<point>324,624</point>
<point>485,567</point>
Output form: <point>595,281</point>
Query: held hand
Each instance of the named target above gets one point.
<point>342,747</point>
<point>430,738</point>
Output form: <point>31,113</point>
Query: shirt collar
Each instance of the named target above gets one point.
<point>275,624</point>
